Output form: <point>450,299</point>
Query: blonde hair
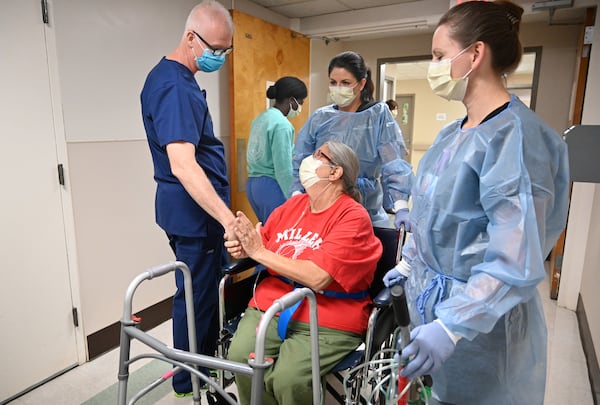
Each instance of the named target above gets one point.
<point>206,11</point>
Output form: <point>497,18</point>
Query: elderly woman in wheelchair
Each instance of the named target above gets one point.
<point>323,240</point>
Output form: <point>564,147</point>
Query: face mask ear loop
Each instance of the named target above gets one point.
<point>467,74</point>
<point>460,53</point>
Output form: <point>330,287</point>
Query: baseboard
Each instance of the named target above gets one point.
<point>589,351</point>
<point>108,338</point>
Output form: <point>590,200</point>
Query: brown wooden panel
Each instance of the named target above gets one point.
<point>262,52</point>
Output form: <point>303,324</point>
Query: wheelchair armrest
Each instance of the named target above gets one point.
<point>239,266</point>
<point>383,299</point>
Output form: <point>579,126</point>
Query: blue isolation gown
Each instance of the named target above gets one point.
<point>384,177</point>
<point>488,205</point>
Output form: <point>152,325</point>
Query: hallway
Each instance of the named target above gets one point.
<point>95,382</point>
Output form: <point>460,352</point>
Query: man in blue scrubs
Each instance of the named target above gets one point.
<point>192,194</point>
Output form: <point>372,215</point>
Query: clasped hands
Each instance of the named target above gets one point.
<point>243,239</point>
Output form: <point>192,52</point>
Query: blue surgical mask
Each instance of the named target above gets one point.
<point>208,62</point>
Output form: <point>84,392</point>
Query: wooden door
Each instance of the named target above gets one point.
<point>37,332</point>
<point>263,52</point>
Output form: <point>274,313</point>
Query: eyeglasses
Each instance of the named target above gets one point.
<point>215,51</point>
<point>319,154</point>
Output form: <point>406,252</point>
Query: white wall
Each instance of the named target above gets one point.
<point>320,55</point>
<point>105,49</point>
<point>557,73</point>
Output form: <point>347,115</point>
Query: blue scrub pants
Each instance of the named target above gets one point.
<point>205,257</point>
<point>264,195</point>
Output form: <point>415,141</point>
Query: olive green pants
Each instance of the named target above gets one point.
<point>289,380</point>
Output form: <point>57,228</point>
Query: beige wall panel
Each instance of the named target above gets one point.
<point>117,238</point>
<point>263,52</point>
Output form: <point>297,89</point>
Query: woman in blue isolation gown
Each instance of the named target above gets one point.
<point>490,199</point>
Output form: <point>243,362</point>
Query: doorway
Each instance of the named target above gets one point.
<point>253,67</point>
<point>425,114</point>
<point>38,331</point>
<point>406,107</point>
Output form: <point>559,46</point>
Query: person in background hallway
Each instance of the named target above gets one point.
<point>324,240</point>
<point>192,194</point>
<point>270,147</point>
<point>393,106</point>
<point>370,130</point>
<point>489,201</point>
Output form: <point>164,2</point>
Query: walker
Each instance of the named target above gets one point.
<point>190,361</point>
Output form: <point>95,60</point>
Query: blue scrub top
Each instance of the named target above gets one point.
<point>175,109</point>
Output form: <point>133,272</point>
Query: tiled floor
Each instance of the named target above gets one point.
<point>567,373</point>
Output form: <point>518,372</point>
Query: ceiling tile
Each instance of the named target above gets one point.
<point>310,8</point>
<point>362,4</point>
<point>275,3</point>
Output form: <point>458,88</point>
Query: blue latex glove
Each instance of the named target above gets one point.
<point>431,346</point>
<point>393,277</point>
<point>402,218</point>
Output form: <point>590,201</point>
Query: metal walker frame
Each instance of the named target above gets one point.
<point>190,361</point>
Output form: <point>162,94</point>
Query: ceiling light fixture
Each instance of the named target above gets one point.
<point>348,31</point>
<point>551,4</point>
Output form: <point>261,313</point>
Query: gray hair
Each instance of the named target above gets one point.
<point>208,10</point>
<point>343,156</point>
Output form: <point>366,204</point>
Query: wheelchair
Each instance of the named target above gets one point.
<point>236,289</point>
<point>361,385</point>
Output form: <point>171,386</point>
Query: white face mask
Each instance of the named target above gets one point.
<point>308,172</point>
<point>294,113</point>
<point>342,96</point>
<point>441,82</point>
<point>395,113</point>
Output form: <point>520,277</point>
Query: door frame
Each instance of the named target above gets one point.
<point>51,128</point>
<point>381,62</point>
<point>66,197</point>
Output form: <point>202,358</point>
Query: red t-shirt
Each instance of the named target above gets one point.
<point>341,241</point>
